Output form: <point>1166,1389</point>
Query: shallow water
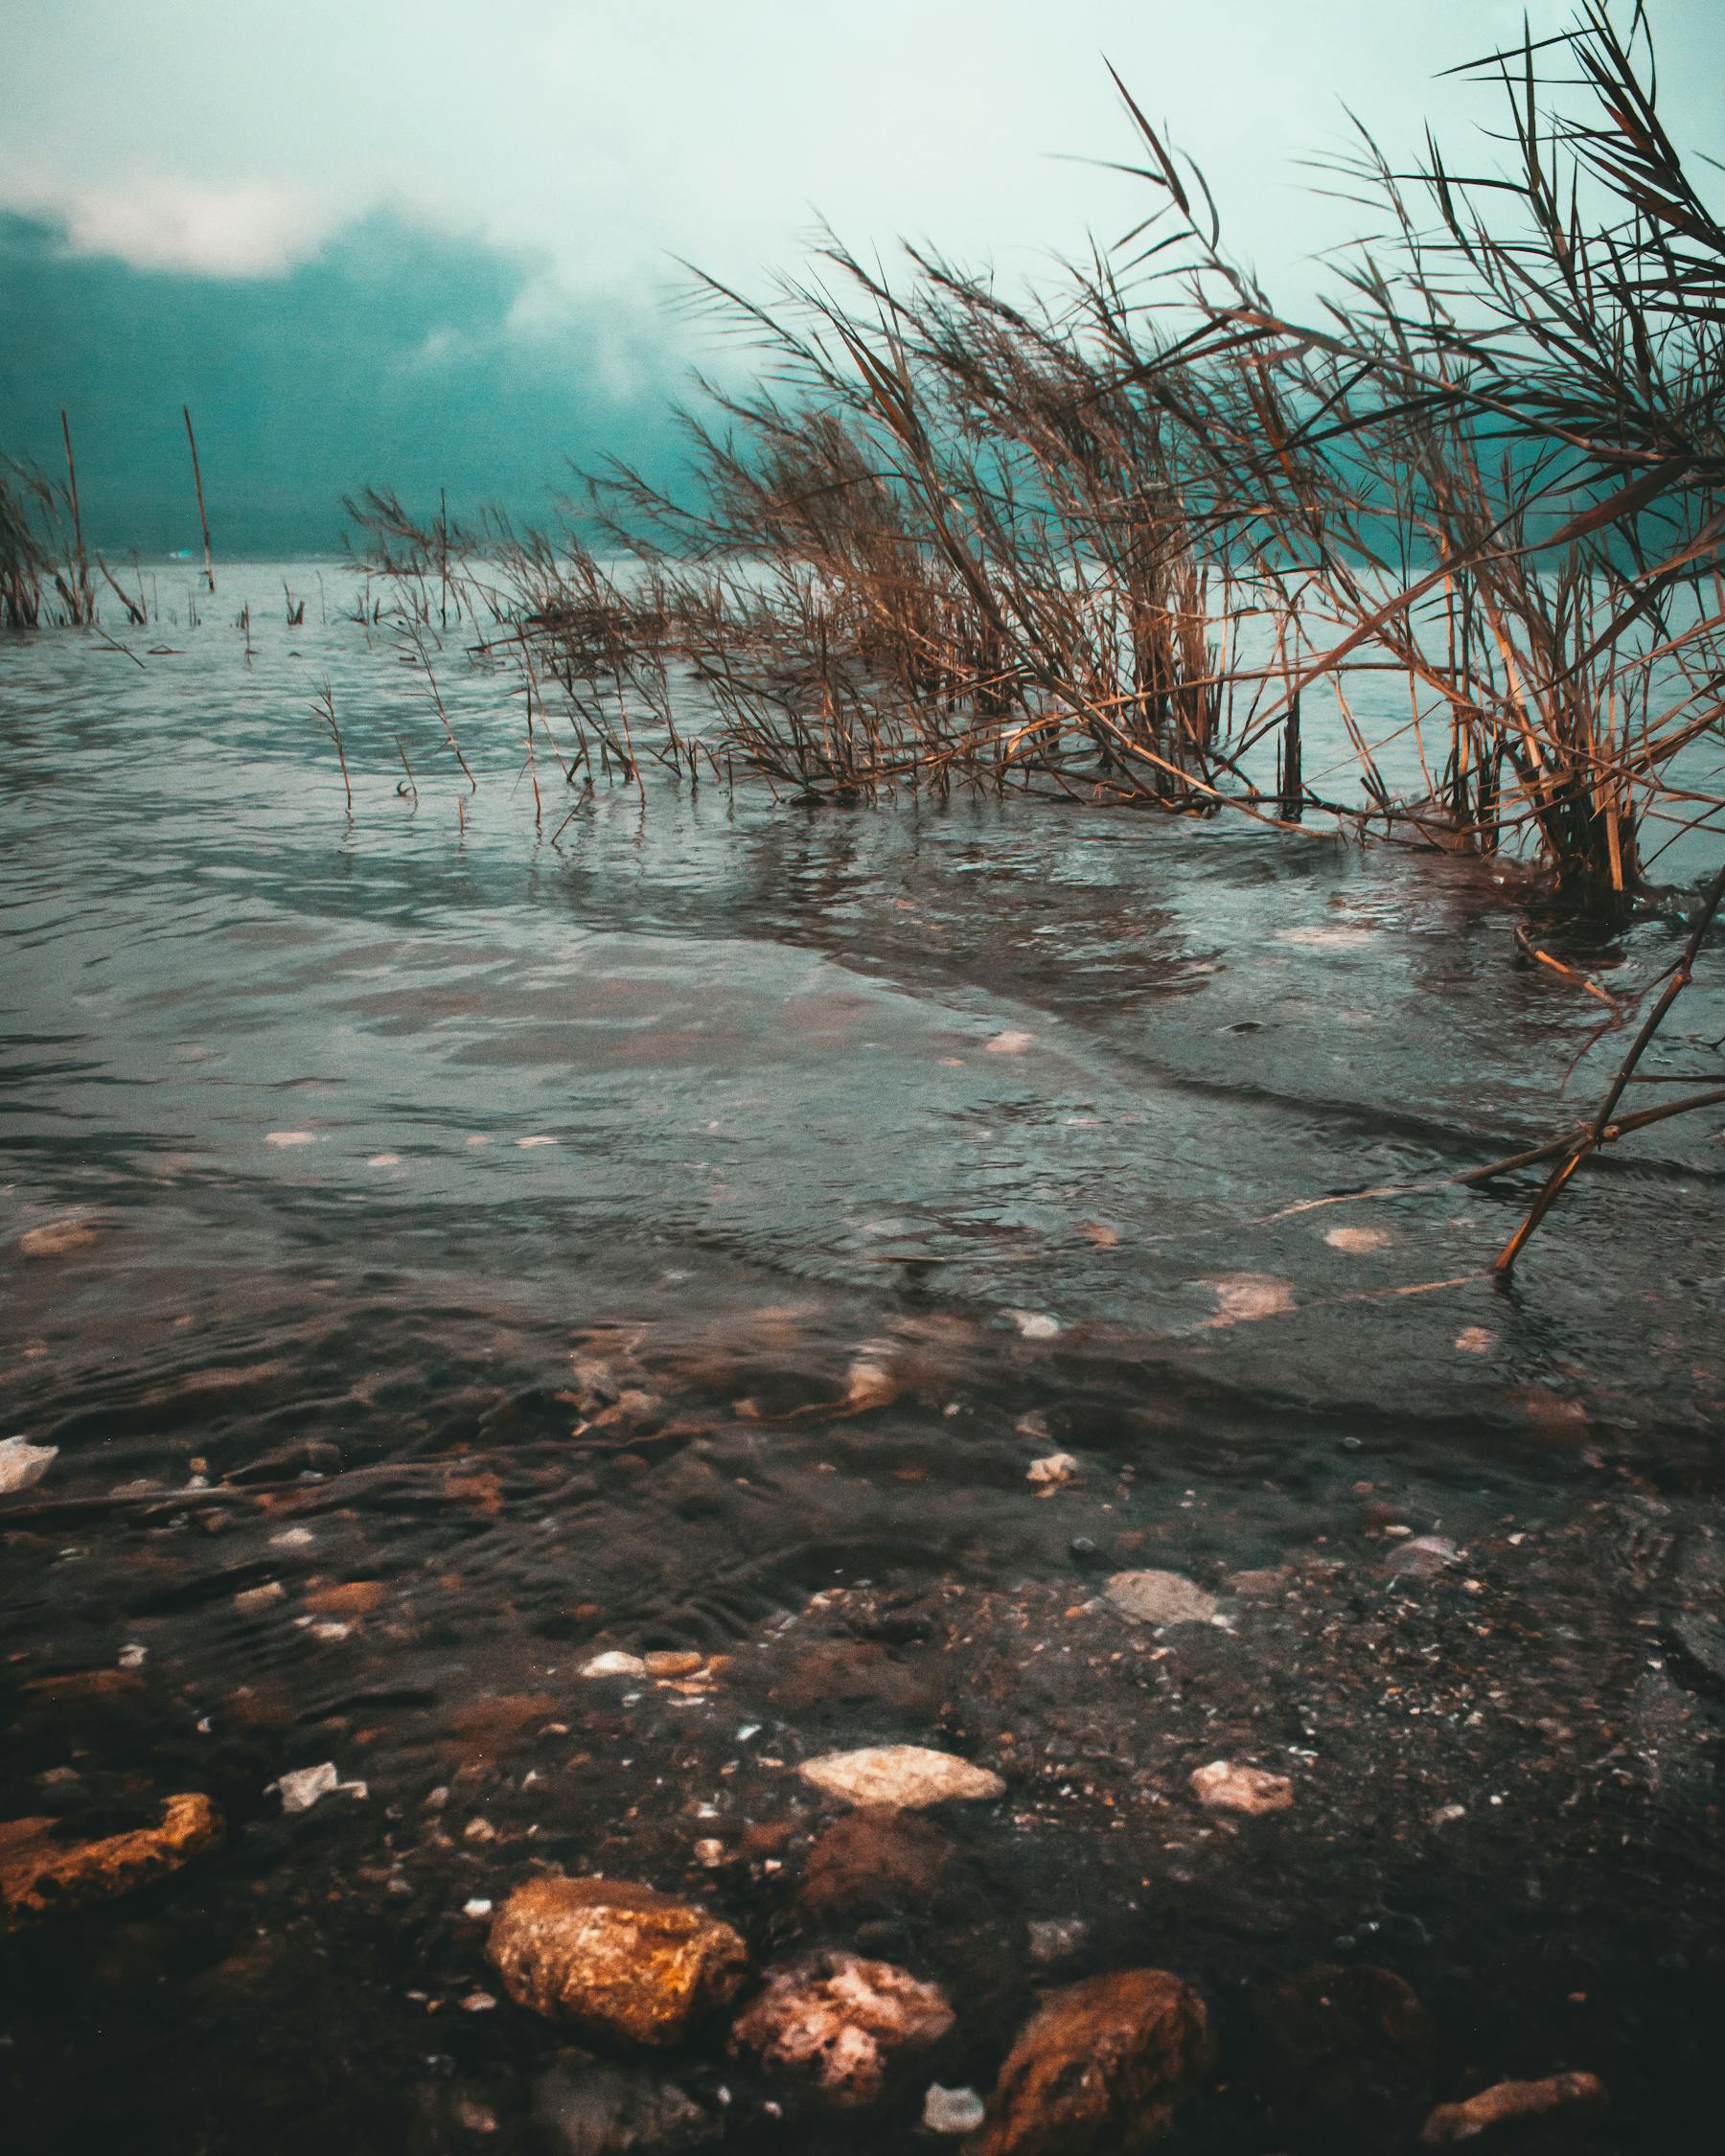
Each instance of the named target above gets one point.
<point>625,1240</point>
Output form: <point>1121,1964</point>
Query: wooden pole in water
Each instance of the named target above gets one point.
<point>198,482</point>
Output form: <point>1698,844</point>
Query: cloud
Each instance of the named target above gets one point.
<point>395,352</point>
<point>251,228</point>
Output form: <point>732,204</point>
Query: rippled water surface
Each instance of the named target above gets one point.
<point>511,1246</point>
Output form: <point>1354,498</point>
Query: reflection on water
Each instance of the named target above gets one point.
<point>498,1247</point>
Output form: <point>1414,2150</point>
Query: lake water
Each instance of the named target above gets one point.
<point>686,1236</point>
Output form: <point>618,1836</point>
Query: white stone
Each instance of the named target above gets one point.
<point>907,1776</point>
<point>23,1465</point>
<point>1052,1470</point>
<point>951,2111</point>
<point>614,1664</point>
<point>1227,1788</point>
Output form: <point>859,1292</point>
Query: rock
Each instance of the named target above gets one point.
<point>838,2023</point>
<point>1422,1557</point>
<point>951,2111</point>
<point>1350,2051</point>
<point>40,1874</point>
<point>1035,1324</point>
<point>1099,2069</point>
<point>1160,1598</point>
<point>1054,1939</point>
<point>905,1777</point>
<point>60,1238</point>
<point>1227,1788</point>
<point>301,1789</point>
<point>615,1664</point>
<point>253,1601</point>
<point>1558,2095</point>
<point>670,1665</point>
<point>615,1958</point>
<point>22,1464</point>
<point>875,1860</point>
<point>586,2108</point>
<point>1053,1471</point>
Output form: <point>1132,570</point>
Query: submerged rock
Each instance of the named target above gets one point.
<point>60,1238</point>
<point>1161,1598</point>
<point>1227,1788</point>
<point>615,1958</point>
<point>1350,2051</point>
<point>951,2111</point>
<point>904,1777</point>
<point>22,1464</point>
<point>585,2107</point>
<point>1099,2069</point>
<point>1506,2101</point>
<point>838,2023</point>
<point>874,1859</point>
<point>40,1874</point>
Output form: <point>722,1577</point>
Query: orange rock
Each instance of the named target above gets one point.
<point>1508,2101</point>
<point>613,1959</point>
<point>351,1597</point>
<point>671,1664</point>
<point>1099,2069</point>
<point>38,1874</point>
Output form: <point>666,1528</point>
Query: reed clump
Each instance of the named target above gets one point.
<point>1138,539</point>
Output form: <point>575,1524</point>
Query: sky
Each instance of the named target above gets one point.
<point>196,194</point>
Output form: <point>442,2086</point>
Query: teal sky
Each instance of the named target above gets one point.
<point>201,192</point>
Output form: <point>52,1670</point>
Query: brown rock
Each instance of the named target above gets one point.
<point>838,2023</point>
<point>1099,2069</point>
<point>615,1958</point>
<point>1154,1598</point>
<point>875,1860</point>
<point>1508,2100</point>
<point>40,1874</point>
<point>1351,2050</point>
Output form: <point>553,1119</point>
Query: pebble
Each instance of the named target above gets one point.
<point>1101,2067</point>
<point>615,1958</point>
<point>1575,2094</point>
<point>1054,1939</point>
<point>1423,1557</point>
<point>253,1601</point>
<point>905,1777</point>
<point>615,1663</point>
<point>671,1664</point>
<point>837,2024</point>
<point>1035,1324</point>
<point>1227,1788</point>
<point>951,2111</point>
<point>58,1238</point>
<point>1053,1471</point>
<point>22,1464</point>
<point>1161,1598</point>
<point>305,1787</point>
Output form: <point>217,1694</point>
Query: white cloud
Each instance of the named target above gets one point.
<point>252,228</point>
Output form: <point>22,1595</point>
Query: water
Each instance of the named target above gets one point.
<point>683,1232</point>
